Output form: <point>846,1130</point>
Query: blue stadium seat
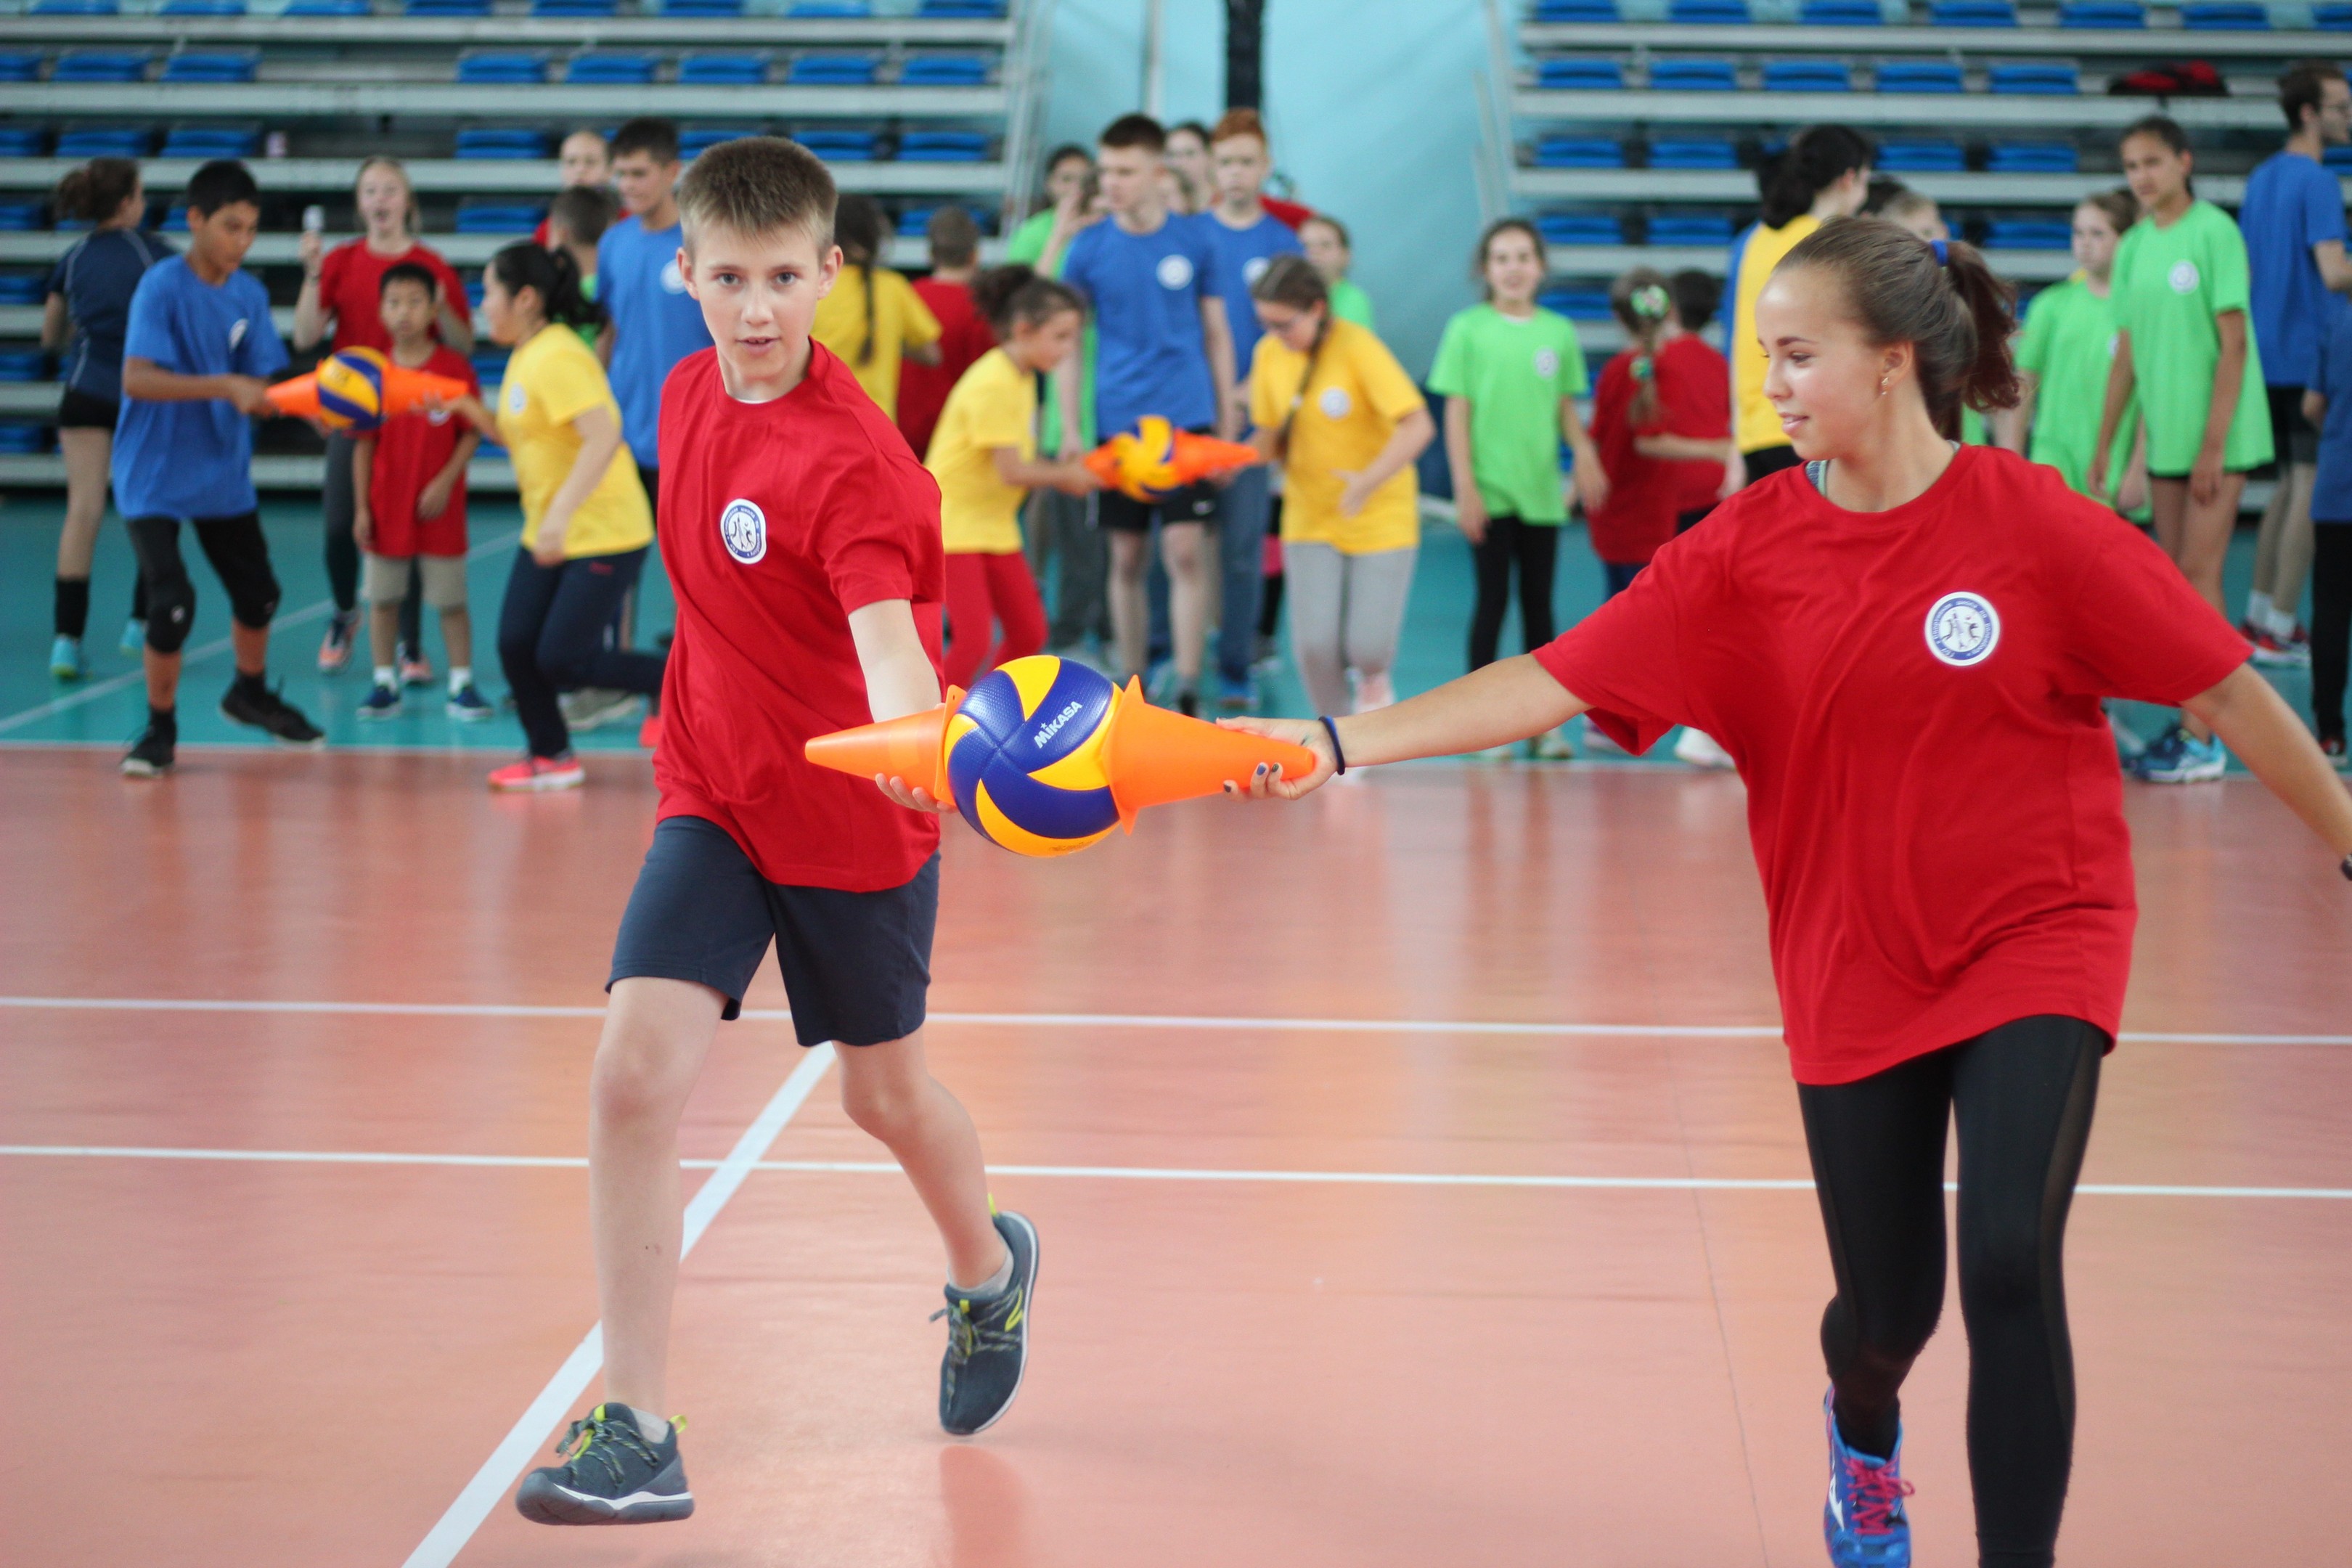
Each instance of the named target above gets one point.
<point>1841,14</point>
<point>502,142</point>
<point>845,9</point>
<point>943,147</point>
<point>2108,13</point>
<point>940,69</point>
<point>1973,14</point>
<point>447,8</point>
<point>499,216</point>
<point>1692,76</point>
<point>176,220</point>
<point>1574,11</point>
<point>966,9</point>
<point>326,8</point>
<point>1708,13</point>
<point>1580,229</point>
<point>1807,76</point>
<point>836,145</point>
<point>701,139</point>
<point>1578,304</point>
<point>573,7</point>
<point>24,438</point>
<point>201,8</point>
<point>2332,18</point>
<point>25,364</point>
<point>20,65</point>
<point>1690,229</point>
<point>2045,77</point>
<point>834,70</point>
<point>1585,74</point>
<point>2034,158</point>
<point>208,142</point>
<point>1578,153</point>
<point>2225,17</point>
<point>22,140</point>
<point>20,216</point>
<point>102,65</point>
<point>209,65</point>
<point>105,142</point>
<point>722,70</point>
<point>613,68</point>
<point>1921,157</point>
<point>702,8</point>
<point>22,288</point>
<point>1919,76</point>
<point>499,70</point>
<point>2028,234</point>
<point>74,8</point>
<point>1684,153</point>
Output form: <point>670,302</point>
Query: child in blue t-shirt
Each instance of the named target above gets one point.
<point>196,351</point>
<point>2328,405</point>
<point>652,322</point>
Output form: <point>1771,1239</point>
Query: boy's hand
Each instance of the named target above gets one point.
<point>914,799</point>
<point>248,394</point>
<point>433,495</point>
<point>362,528</point>
<point>1269,784</point>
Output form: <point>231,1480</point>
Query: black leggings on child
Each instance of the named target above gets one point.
<point>2022,1096</point>
<point>2331,624</point>
<point>554,638</point>
<point>1534,549</point>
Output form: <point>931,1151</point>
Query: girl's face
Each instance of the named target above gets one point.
<point>1926,222</point>
<point>1849,192</point>
<point>1188,156</point>
<point>133,208</point>
<point>506,316</point>
<point>1323,248</point>
<point>1823,372</point>
<point>1294,327</point>
<point>2156,175</point>
<point>1043,345</point>
<point>1513,270</point>
<point>1067,180</point>
<point>384,201</point>
<point>2094,241</point>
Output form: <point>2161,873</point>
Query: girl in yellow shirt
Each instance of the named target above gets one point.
<point>586,522</point>
<point>873,319</point>
<point>984,456</point>
<point>1331,405</point>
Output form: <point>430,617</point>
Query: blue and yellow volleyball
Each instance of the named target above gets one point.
<point>1024,756</point>
<point>351,389</point>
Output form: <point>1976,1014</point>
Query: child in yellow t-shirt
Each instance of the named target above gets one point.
<point>586,522</point>
<point>984,456</point>
<point>873,319</point>
<point>1331,405</point>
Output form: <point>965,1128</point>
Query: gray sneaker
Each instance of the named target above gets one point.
<point>988,1339</point>
<point>593,706</point>
<point>610,1475</point>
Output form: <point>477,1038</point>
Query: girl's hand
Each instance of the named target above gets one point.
<point>1353,493</point>
<point>2205,478</point>
<point>312,250</point>
<point>2095,479</point>
<point>916,798</point>
<point>1470,514</point>
<point>1591,487</point>
<point>547,548</point>
<point>1735,477</point>
<point>1268,784</point>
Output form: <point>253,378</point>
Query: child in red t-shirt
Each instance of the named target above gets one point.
<point>964,333</point>
<point>1905,643</point>
<point>803,544</point>
<point>1651,417</point>
<point>408,484</point>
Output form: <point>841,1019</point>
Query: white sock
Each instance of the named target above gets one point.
<point>386,676</point>
<point>2282,623</point>
<point>461,676</point>
<point>995,1285</point>
<point>2258,608</point>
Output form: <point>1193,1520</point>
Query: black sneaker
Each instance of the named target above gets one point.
<point>610,1475</point>
<point>988,1340</point>
<point>151,755</point>
<point>264,709</point>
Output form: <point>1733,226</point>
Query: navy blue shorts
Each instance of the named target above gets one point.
<point>856,966</point>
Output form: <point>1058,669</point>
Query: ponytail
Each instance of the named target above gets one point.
<point>96,192</point>
<point>1940,297</point>
<point>1642,301</point>
<point>556,278</point>
<point>1818,157</point>
<point>1010,296</point>
<point>1295,282</point>
<point>857,229</point>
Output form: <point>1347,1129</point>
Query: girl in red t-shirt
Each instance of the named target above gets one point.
<point>1653,424</point>
<point>343,292</point>
<point>1904,645</point>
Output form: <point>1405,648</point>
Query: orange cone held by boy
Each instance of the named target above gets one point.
<point>1158,457</point>
<point>359,389</point>
<point>1046,756</point>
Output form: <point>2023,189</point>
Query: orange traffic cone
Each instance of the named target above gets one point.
<point>1155,755</point>
<point>298,398</point>
<point>404,392</point>
<point>913,748</point>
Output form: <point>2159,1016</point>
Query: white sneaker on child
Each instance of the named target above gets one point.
<point>1698,748</point>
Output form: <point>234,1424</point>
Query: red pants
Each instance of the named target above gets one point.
<point>985,592</point>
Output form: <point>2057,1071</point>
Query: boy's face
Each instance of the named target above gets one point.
<point>585,160</point>
<point>222,238</point>
<point>759,293</point>
<point>407,309</point>
<point>1129,177</point>
<point>1242,166</point>
<point>643,184</point>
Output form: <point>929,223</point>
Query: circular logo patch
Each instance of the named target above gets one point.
<point>1547,363</point>
<point>2184,279</point>
<point>1255,267</point>
<point>1334,403</point>
<point>515,398</point>
<point>1963,629</point>
<point>743,528</point>
<point>1175,272</point>
<point>673,281</point>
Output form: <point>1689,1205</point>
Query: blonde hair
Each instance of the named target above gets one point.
<point>413,219</point>
<point>755,184</point>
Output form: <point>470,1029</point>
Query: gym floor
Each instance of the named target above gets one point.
<point>1418,1173</point>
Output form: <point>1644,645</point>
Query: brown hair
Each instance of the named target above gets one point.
<point>1007,295</point>
<point>1792,180</point>
<point>1495,231</point>
<point>1642,301</point>
<point>1239,122</point>
<point>1951,310</point>
<point>955,236</point>
<point>584,212</point>
<point>97,190</point>
<point>1292,280</point>
<point>2300,88</point>
<point>2164,129</point>
<point>1134,131</point>
<point>1346,241</point>
<point>757,183</point>
<point>2118,206</point>
<point>656,138</point>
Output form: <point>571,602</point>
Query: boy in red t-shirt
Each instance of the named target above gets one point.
<point>803,544</point>
<point>408,483</point>
<point>964,335</point>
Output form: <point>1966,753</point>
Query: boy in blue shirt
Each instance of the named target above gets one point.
<point>2328,405</point>
<point>652,321</point>
<point>1164,348</point>
<point>197,354</point>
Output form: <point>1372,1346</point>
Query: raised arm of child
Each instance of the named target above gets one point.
<point>1067,474</point>
<point>1686,448</point>
<point>899,680</point>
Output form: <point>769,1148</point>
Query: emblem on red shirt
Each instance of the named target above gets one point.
<point>743,528</point>
<point>1963,629</point>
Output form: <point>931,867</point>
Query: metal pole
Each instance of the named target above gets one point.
<point>1152,93</point>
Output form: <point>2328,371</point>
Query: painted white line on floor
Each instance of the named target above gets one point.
<point>1125,1172</point>
<point>524,1440</point>
<point>1079,1020</point>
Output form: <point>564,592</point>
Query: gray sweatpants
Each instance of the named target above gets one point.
<point>1346,613</point>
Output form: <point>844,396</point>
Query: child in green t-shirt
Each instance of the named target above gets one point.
<point>2063,358</point>
<point>1328,245</point>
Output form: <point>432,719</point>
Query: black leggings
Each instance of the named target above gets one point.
<point>2022,1096</point>
<point>554,635</point>
<point>2331,624</point>
<point>1534,549</point>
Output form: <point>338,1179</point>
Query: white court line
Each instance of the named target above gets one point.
<point>498,1472</point>
<point>1074,1020</point>
<point>1125,1173</point>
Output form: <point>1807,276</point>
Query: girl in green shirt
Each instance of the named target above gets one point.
<point>2063,359</point>
<point>2182,292</point>
<point>1332,252</point>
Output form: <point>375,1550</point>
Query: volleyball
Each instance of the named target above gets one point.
<point>1145,462</point>
<point>1024,756</point>
<point>350,390</point>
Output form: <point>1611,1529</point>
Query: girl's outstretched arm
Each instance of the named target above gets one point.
<point>1507,701</point>
<point>2254,721</point>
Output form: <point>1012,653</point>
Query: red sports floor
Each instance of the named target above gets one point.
<point>1418,1173</point>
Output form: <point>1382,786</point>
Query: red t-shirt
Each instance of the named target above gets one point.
<point>1289,215</point>
<point>777,520</point>
<point>1642,491</point>
<point>963,337</point>
<point>351,289</point>
<point>1913,697</point>
<point>1695,390</point>
<point>409,450</point>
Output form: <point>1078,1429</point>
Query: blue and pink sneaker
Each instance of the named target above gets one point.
<point>1863,1520</point>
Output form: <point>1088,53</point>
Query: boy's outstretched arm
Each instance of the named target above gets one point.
<point>1507,701</point>
<point>899,680</point>
<point>2255,722</point>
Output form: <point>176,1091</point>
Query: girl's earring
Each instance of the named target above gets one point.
<point>1882,386</point>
